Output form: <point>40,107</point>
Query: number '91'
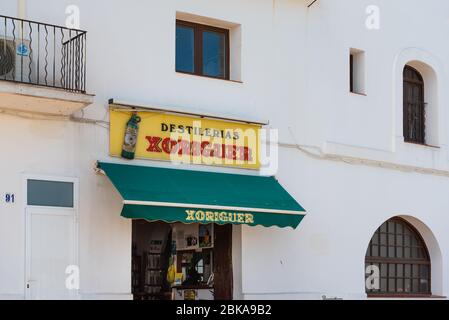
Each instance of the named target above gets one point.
<point>9,198</point>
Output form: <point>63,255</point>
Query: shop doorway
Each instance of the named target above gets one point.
<point>181,261</point>
<point>223,275</point>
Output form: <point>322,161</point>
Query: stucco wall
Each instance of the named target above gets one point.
<point>294,72</point>
<point>346,204</point>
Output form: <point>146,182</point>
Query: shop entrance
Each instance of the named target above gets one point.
<point>181,261</point>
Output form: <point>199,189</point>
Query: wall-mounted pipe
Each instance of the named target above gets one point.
<point>22,9</point>
<point>311,4</point>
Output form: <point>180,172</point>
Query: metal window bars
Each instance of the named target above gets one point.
<point>414,122</point>
<point>42,54</point>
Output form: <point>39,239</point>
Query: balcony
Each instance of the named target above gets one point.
<point>42,67</point>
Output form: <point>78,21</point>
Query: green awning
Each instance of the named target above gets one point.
<point>174,195</point>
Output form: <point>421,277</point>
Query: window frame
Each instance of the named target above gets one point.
<point>72,192</point>
<point>198,30</point>
<point>405,124</point>
<point>357,72</point>
<point>51,178</point>
<point>404,261</point>
<point>29,210</point>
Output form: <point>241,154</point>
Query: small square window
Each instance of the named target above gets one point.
<point>400,270</point>
<point>391,285</point>
<point>202,50</point>
<point>407,285</point>
<point>400,285</point>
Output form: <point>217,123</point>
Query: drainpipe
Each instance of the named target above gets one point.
<point>311,2</point>
<point>21,9</point>
<point>21,13</point>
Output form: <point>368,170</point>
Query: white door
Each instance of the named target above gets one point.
<point>50,249</point>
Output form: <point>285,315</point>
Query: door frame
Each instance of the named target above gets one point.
<point>224,247</point>
<point>52,211</point>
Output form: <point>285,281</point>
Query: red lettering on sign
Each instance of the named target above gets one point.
<point>216,150</point>
<point>168,145</point>
<point>184,147</point>
<point>197,149</point>
<point>247,154</point>
<point>205,151</point>
<point>154,144</point>
<point>231,153</point>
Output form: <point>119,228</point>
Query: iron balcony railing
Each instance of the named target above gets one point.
<point>42,54</point>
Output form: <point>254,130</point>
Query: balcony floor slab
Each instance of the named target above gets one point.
<point>41,100</point>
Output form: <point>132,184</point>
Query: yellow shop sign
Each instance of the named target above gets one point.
<point>186,139</point>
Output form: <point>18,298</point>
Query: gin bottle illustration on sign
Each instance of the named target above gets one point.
<point>130,141</point>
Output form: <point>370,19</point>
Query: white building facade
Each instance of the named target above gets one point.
<point>343,151</point>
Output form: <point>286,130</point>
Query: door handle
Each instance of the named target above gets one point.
<point>29,282</point>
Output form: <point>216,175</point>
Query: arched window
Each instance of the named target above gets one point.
<point>414,106</point>
<point>400,255</point>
